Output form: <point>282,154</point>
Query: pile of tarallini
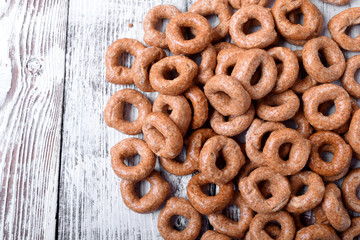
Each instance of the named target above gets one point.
<point>252,87</point>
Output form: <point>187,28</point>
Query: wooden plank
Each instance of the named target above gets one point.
<point>32,57</point>
<point>90,204</point>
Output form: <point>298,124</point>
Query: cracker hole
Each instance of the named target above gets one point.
<point>327,108</point>
<point>132,160</point>
<point>323,58</point>
<point>187,33</point>
<point>302,190</point>
<point>273,223</point>
<point>284,151</point>
<point>273,228</point>
<point>126,59</point>
<point>252,26</point>
<point>213,20</point>
<point>226,118</point>
<point>222,97</point>
<point>326,156</point>
<point>229,70</point>
<point>162,24</point>
<point>256,76</point>
<point>264,138</point>
<point>253,29</point>
<point>264,189</point>
<point>232,211</point>
<point>280,68</point>
<point>220,162</point>
<point>166,109</point>
<point>358,192</point>
<point>353,31</point>
<point>171,74</point>
<point>192,111</point>
<point>142,188</point>
<point>302,72</point>
<point>210,189</point>
<point>130,112</point>
<point>179,222</point>
<point>273,103</point>
<point>298,18</point>
<point>357,76</point>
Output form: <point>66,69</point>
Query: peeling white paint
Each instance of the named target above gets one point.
<point>5,62</point>
<point>30,115</point>
<point>5,81</point>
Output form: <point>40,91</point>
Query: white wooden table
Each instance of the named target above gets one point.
<point>55,173</point>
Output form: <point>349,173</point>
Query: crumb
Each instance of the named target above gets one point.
<point>130,25</point>
<point>140,21</point>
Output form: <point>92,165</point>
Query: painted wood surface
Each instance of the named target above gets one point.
<point>32,57</point>
<point>35,35</point>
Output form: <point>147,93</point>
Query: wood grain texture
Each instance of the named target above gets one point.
<point>32,57</point>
